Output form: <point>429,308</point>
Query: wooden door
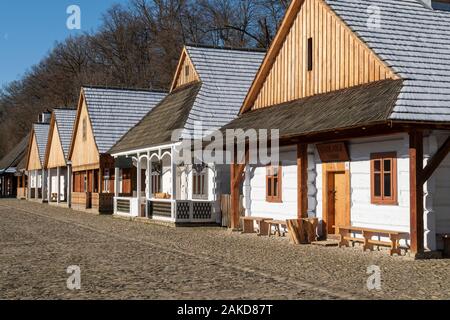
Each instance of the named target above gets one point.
<point>337,201</point>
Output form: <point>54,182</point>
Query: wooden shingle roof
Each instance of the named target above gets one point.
<point>114,111</point>
<point>157,126</point>
<point>414,41</point>
<point>356,106</point>
<point>17,155</point>
<point>65,120</point>
<point>226,75</point>
<point>41,133</point>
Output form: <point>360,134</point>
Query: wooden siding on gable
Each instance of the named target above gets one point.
<point>84,152</point>
<point>339,59</point>
<point>55,153</point>
<point>34,162</point>
<point>181,77</point>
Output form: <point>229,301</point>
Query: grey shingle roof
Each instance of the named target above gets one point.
<point>41,134</point>
<point>65,119</point>
<point>15,156</point>
<point>415,42</point>
<point>157,126</point>
<point>226,76</point>
<point>114,111</point>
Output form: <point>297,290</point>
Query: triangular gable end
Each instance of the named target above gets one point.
<point>340,59</point>
<point>54,154</point>
<point>33,159</point>
<point>83,149</point>
<point>185,72</point>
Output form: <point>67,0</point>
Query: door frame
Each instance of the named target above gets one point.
<point>327,169</point>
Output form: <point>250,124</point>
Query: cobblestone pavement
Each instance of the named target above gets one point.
<point>131,260</point>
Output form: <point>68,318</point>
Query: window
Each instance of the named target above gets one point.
<point>156,178</point>
<point>273,184</point>
<point>200,182</point>
<point>187,71</point>
<point>84,129</point>
<point>106,179</point>
<point>310,54</point>
<point>443,5</point>
<point>384,178</point>
<point>79,182</point>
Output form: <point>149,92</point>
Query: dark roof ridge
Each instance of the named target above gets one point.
<point>248,49</point>
<point>124,88</point>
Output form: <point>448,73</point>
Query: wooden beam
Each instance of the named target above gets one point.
<point>237,175</point>
<point>302,181</point>
<point>416,191</point>
<point>435,161</point>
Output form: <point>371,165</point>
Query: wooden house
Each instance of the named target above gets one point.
<point>361,101</point>
<point>12,181</point>
<point>104,115</point>
<point>37,184</point>
<point>208,88</point>
<point>56,156</point>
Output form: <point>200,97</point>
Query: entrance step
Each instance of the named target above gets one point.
<point>326,243</point>
<point>336,237</point>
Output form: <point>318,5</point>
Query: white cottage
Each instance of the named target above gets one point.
<point>209,87</point>
<point>37,186</point>
<point>56,156</point>
<point>364,119</point>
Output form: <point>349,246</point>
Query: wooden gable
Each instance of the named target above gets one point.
<point>338,58</point>
<point>83,153</point>
<point>54,156</point>
<point>186,72</point>
<point>33,160</point>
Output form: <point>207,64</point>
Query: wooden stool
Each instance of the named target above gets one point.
<point>277,224</point>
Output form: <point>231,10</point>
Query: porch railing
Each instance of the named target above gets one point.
<point>194,211</point>
<point>127,206</point>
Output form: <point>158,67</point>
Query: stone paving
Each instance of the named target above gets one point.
<point>132,260</point>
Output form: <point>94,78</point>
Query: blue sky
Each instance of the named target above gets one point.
<point>29,29</point>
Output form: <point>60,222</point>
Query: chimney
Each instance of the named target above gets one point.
<point>45,117</point>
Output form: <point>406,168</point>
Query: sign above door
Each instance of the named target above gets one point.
<point>333,152</point>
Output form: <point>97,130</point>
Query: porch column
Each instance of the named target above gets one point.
<point>138,185</point>
<point>149,184</point>
<point>69,185</point>
<point>302,180</point>
<point>116,182</point>
<point>44,184</point>
<point>416,191</point>
<point>58,185</point>
<point>36,185</point>
<point>28,197</point>
<point>173,167</point>
<point>237,175</point>
<point>49,186</point>
<point>150,181</point>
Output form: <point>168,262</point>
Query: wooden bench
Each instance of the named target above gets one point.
<point>277,224</point>
<point>368,234</point>
<point>249,226</point>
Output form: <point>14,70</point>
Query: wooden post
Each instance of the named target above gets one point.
<point>237,171</point>
<point>44,185</point>
<point>173,166</point>
<point>116,182</point>
<point>69,186</point>
<point>49,186</point>
<point>302,181</point>
<point>36,185</point>
<point>416,191</point>
<point>138,185</point>
<point>58,185</point>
